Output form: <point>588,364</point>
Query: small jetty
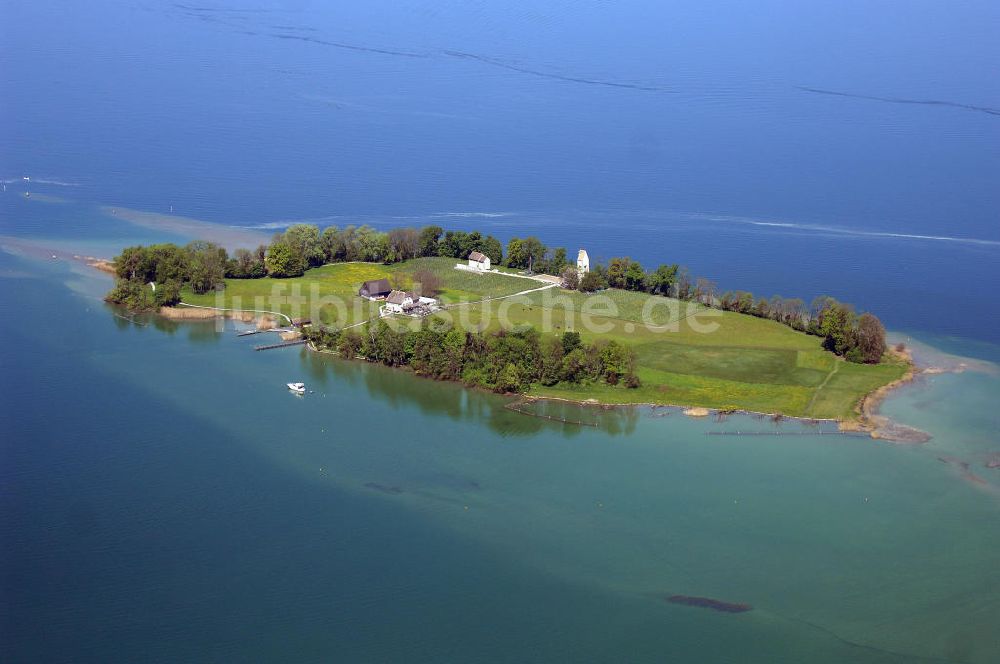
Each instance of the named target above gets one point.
<point>283,344</point>
<point>709,603</point>
<point>247,333</point>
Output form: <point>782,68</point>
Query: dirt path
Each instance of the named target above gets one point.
<point>500,297</point>
<point>819,388</point>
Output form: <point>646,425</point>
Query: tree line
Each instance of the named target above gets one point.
<point>302,246</point>
<point>501,361</point>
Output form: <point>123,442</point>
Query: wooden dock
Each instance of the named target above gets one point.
<point>247,333</point>
<point>284,344</point>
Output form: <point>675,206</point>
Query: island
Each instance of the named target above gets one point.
<point>525,319</point>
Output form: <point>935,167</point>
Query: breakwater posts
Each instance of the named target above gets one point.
<point>514,407</point>
<point>284,344</point>
<point>131,320</point>
<point>786,433</point>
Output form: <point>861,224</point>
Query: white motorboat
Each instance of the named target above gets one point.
<point>298,388</point>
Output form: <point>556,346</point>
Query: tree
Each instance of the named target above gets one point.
<point>282,261</point>
<point>527,253</point>
<point>427,244</point>
<point>704,291</point>
<point>135,264</point>
<point>515,253</point>
<point>617,267</point>
<point>133,294</point>
<point>207,263</point>
<point>430,283</point>
<point>404,243</point>
<point>552,359</point>
<point>836,324</point>
<point>471,242</point>
<point>332,242</point>
<point>453,245</point>
<point>661,281</point>
<point>775,307</point>
<point>727,301</point>
<point>167,294</point>
<point>509,379</point>
<point>683,284</point>
<point>744,302</point>
<point>535,251</point>
<point>570,278</point>
<point>793,313</point>
<point>591,281</point>
<point>454,354</point>
<point>171,263</point>
<point>761,309</point>
<point>304,240</point>
<point>492,248</point>
<point>635,277</point>
<point>556,262</point>
<point>871,338</point>
<point>350,344</point>
<point>575,365</point>
<point>367,244</point>
<point>616,361</point>
<point>246,264</point>
<point>381,251</point>
<point>570,341</point>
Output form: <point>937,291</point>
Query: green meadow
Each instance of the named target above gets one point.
<point>686,354</point>
<point>336,285</point>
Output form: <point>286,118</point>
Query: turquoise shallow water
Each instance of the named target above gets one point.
<point>164,498</point>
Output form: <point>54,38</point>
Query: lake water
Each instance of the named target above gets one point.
<point>163,498</point>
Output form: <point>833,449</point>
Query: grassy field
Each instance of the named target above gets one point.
<point>736,361</point>
<point>329,293</point>
<point>744,363</point>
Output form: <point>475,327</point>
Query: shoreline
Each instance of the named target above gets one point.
<point>885,429</point>
<point>695,412</point>
<point>881,427</point>
<point>869,421</point>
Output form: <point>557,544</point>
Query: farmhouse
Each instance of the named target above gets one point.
<point>582,262</point>
<point>478,261</point>
<point>398,301</point>
<point>375,289</point>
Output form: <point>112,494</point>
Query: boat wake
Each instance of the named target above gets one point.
<point>845,231</point>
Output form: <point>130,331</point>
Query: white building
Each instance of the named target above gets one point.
<point>478,261</point>
<point>582,262</point>
<point>398,301</point>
